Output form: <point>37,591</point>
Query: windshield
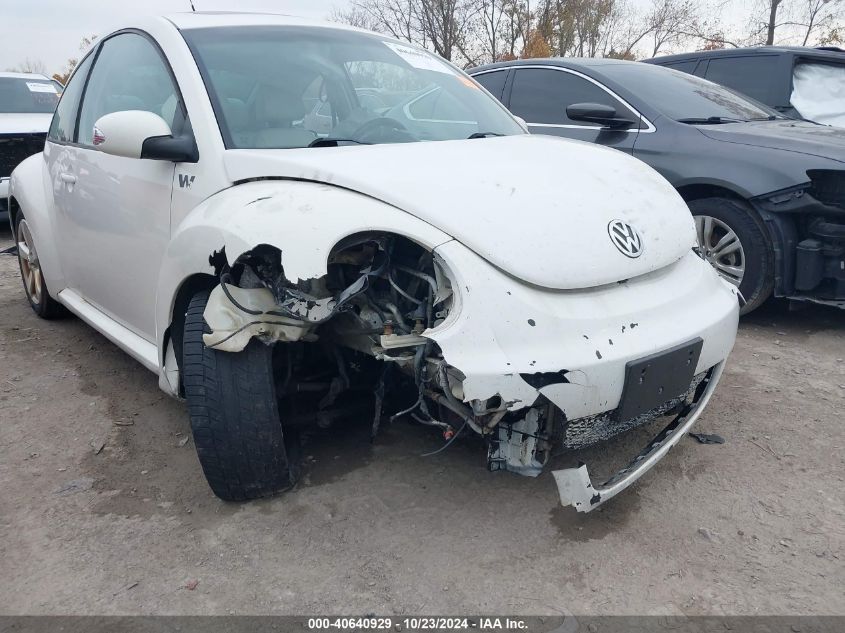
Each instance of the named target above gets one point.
<point>289,87</point>
<point>25,94</point>
<point>818,92</point>
<point>680,96</point>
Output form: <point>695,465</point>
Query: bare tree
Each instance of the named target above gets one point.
<point>30,66</point>
<point>447,24</point>
<point>817,16</point>
<point>772,24</point>
<point>396,18</point>
<point>493,15</point>
<point>670,21</point>
<point>84,45</point>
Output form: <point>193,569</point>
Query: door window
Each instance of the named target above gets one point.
<point>540,96</point>
<point>754,76</point>
<point>129,74</point>
<point>686,66</point>
<point>494,82</point>
<point>64,120</point>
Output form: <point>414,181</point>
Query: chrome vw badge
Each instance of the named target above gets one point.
<point>626,238</point>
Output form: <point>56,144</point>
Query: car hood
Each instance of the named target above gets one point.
<point>25,123</point>
<point>792,136</point>
<point>536,207</point>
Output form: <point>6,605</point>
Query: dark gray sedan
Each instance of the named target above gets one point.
<point>768,192</point>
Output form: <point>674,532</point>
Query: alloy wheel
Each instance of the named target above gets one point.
<point>720,245</point>
<point>30,267</point>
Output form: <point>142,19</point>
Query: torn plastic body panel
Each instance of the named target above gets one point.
<point>524,367</point>
<point>574,484</point>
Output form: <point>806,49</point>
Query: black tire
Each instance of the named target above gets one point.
<point>41,302</point>
<point>234,415</point>
<point>759,278</point>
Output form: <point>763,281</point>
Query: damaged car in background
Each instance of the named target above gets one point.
<point>280,273</point>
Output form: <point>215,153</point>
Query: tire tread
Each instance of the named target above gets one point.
<point>234,415</point>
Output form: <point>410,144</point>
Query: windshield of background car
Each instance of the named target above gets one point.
<point>681,96</point>
<point>27,95</point>
<point>818,92</point>
<point>287,87</point>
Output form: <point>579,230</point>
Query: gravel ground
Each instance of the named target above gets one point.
<point>104,510</point>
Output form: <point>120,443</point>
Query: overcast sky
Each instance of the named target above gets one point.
<point>50,30</point>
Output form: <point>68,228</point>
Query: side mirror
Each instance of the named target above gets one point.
<point>141,134</point>
<point>604,115</point>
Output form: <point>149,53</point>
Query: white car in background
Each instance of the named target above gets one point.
<point>27,103</point>
<point>535,291</point>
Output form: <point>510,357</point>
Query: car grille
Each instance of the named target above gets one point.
<point>828,186</point>
<point>14,148</point>
<point>585,432</point>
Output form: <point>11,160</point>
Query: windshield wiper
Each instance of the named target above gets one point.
<point>711,120</point>
<point>484,134</point>
<point>335,142</point>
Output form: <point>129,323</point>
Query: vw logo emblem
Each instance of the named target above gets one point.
<point>626,238</point>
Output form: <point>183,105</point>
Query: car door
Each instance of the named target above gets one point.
<point>540,95</point>
<point>57,148</point>
<point>116,213</point>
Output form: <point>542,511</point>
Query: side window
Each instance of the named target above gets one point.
<point>64,119</point>
<point>129,74</point>
<point>686,66</point>
<point>754,75</point>
<point>540,96</point>
<point>494,82</point>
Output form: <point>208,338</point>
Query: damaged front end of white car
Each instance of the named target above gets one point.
<point>528,369</point>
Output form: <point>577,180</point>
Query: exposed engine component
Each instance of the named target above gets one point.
<point>380,296</point>
<point>523,446</point>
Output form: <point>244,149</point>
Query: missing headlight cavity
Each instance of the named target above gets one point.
<point>354,341</point>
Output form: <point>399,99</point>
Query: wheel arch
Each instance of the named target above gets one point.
<point>697,191</point>
<point>304,220</point>
<point>28,195</point>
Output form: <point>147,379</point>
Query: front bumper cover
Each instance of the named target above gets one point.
<point>574,484</point>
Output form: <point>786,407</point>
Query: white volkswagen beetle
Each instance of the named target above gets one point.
<point>271,265</point>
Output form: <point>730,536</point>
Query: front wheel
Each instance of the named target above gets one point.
<point>735,243</point>
<point>242,448</point>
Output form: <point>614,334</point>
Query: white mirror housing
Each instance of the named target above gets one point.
<point>123,133</point>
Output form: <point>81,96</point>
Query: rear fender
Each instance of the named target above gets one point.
<point>29,187</point>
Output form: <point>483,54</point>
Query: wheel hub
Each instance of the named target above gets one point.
<point>719,244</point>
<point>30,267</point>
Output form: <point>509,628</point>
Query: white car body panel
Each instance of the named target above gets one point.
<point>502,209</point>
<point>590,335</point>
<point>520,224</point>
<point>129,224</point>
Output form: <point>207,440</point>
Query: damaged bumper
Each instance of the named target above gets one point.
<point>577,489</point>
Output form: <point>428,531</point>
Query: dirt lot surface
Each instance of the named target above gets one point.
<point>104,510</point>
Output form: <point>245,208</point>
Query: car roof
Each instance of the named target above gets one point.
<point>829,53</point>
<point>212,19</point>
<point>12,75</point>
<point>573,63</point>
